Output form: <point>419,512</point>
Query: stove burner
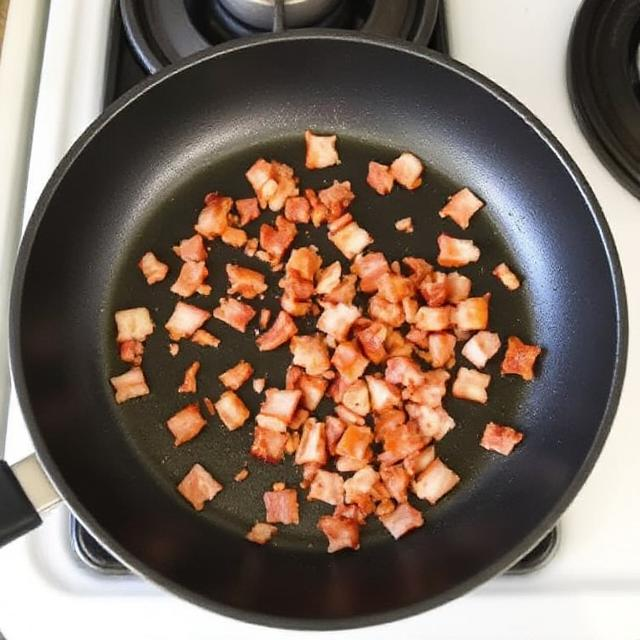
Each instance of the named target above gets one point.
<point>161,33</point>
<point>604,83</point>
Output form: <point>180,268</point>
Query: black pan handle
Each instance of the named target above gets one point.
<point>25,492</point>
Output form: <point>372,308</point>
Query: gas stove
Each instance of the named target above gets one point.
<point>584,578</point>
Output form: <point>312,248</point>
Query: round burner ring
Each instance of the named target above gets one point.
<point>298,13</point>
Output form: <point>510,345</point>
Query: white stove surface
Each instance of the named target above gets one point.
<point>591,588</point>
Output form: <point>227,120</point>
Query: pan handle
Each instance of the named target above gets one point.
<point>25,492</point>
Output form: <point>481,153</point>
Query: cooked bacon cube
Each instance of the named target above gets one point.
<point>418,337</point>
<point>520,358</point>
<point>360,484</point>
<point>261,533</point>
<point>382,310</point>
<point>152,269</point>
<point>199,486</point>
<point>435,481</point>
<point>276,240</point>
<point>396,345</point>
<point>400,442</point>
<point>471,385</point>
<point>306,261</point>
<point>355,442</point>
<point>472,314</point>
<point>420,269</point>
<point>506,276</point>
<point>433,318</point>
<point>235,377</point>
<point>347,415</point>
<point>236,314</point>
<point>370,268</point>
<point>131,351</point>
<point>418,461</point>
<point>231,410</point>
<point>313,389</point>
<point>262,178</point>
<point>336,198</point>
<point>431,390</point>
<point>372,340</point>
<point>458,287</point>
<point>192,276</point>
<point>245,282</point>
<point>268,445</point>
<point>321,151</point>
<point>297,287</point>
<point>247,209</point>
<point>380,178</point>
<point>344,292</point>
<point>396,480</point>
<point>190,385</point>
<point>406,171</point>
<point>329,278</point>
<point>342,533</point>
<point>402,520</point>
<point>481,348</point>
<point>455,252</point>
<point>235,237</point>
<point>133,324</point>
<point>356,398</point>
<point>192,249</point>
<point>297,209</point>
<point>383,394</point>
<point>405,225</point>
<point>441,348</point>
<point>461,207</point>
<point>313,444</point>
<point>351,239</point>
<point>395,288</point>
<point>186,424</point>
<point>337,389</point>
<point>348,361</point>
<point>282,330</point>
<point>213,219</point>
<point>500,438</point>
<point>328,487</point>
<point>129,385</point>
<point>389,420</point>
<point>205,339</point>
<point>346,464</point>
<point>286,185</point>
<point>281,403</point>
<point>319,212</point>
<point>185,320</point>
<point>336,320</point>
<point>281,506</point>
<point>434,289</point>
<point>434,422</point>
<point>404,371</point>
<point>334,428</point>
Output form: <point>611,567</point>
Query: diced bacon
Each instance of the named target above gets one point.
<point>271,422</point>
<point>418,461</point>
<point>389,313</point>
<point>337,389</point>
<point>276,240</point>
<point>360,484</point>
<point>383,394</point>
<point>434,289</point>
<point>351,512</point>
<point>268,445</point>
<point>458,287</point>
<point>455,252</point>
<point>235,313</point>
<point>434,422</point>
<point>261,533</point>
<point>235,377</point>
<point>471,385</point>
<point>348,361</point>
<point>131,351</point>
<point>296,286</point>
<point>129,385</point>
<point>292,377</point>
<point>400,442</point>
<point>461,207</point>
<point>347,415</point>
<point>336,198</point>
<point>431,390</point>
<point>265,315</point>
<point>313,389</point>
<point>435,481</point>
<point>208,403</point>
<point>250,248</point>
<point>186,424</point>
<point>192,275</point>
<point>282,330</point>
<point>342,533</point>
<point>520,358</point>
<point>396,345</point>
<point>299,418</point>
<point>336,320</point>
<point>235,237</point>
<point>344,292</point>
<point>418,337</point>
<point>213,219</point>
<point>388,421</point>
<point>500,438</point>
<point>327,487</point>
<point>406,171</point>
<point>506,276</point>
<point>293,307</point>
<point>189,384</point>
<point>346,464</point>
<point>334,428</point>
<point>481,348</point>
<point>152,269</point>
<point>297,209</point>
<point>281,506</point>
<point>286,185</point>
<point>205,339</point>
<point>420,269</point>
<point>231,410</point>
<point>356,398</point>
<point>402,520</point>
<point>321,151</point>
<point>191,249</point>
<point>281,403</point>
<point>185,320</point>
<point>261,177</point>
<point>309,471</point>
<point>313,444</point>
<point>319,212</point>
<point>433,318</point>
<point>329,278</point>
<point>472,314</point>
<point>245,282</point>
<point>441,348</point>
<point>410,309</point>
<point>351,239</point>
<point>247,209</point>
<point>405,225</point>
<point>355,442</point>
<point>293,439</point>
<point>396,480</point>
<point>380,178</point>
<point>395,288</point>
<point>174,349</point>
<point>370,268</point>
<point>133,324</point>
<point>372,340</point>
<point>305,261</point>
<point>404,371</point>
<point>199,486</point>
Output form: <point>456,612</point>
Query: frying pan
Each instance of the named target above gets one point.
<point>135,182</point>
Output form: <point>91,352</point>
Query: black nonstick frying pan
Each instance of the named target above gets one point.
<point>135,182</point>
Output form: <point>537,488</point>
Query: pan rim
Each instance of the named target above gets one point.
<point>347,622</point>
